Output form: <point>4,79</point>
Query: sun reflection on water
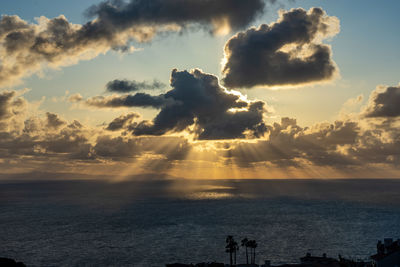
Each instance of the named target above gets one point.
<point>209,195</point>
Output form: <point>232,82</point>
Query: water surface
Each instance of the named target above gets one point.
<point>97,223</point>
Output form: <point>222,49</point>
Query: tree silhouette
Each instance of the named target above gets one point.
<point>245,243</point>
<point>253,246</point>
<point>231,248</point>
<point>236,248</point>
<point>254,251</point>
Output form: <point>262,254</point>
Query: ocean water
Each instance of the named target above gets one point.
<point>97,223</point>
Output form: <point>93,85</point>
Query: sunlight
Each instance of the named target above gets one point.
<point>221,26</point>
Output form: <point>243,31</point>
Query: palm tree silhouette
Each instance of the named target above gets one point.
<point>231,248</point>
<point>235,248</point>
<point>253,246</point>
<point>245,243</point>
<point>228,247</point>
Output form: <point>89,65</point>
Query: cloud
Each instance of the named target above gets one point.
<point>378,145</point>
<point>72,143</point>
<point>30,135</point>
<point>36,140</point>
<point>54,121</point>
<point>383,103</point>
<point>122,148</point>
<point>10,105</point>
<point>291,145</point>
<point>202,107</point>
<point>122,121</point>
<point>136,100</point>
<point>5,99</point>
<point>116,147</point>
<point>75,98</point>
<point>12,109</point>
<point>125,86</point>
<point>210,14</point>
<point>27,48</point>
<point>348,144</point>
<point>196,99</point>
<point>287,52</point>
<point>68,143</point>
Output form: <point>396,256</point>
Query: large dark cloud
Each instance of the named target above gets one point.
<point>287,52</point>
<point>26,47</point>
<point>125,86</point>
<point>196,99</point>
<point>384,102</point>
<point>207,13</point>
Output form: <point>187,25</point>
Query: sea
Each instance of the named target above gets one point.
<point>154,222</point>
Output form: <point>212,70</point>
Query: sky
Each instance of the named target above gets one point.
<point>199,89</point>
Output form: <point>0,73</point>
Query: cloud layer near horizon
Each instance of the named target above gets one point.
<point>287,52</point>
<point>347,146</point>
